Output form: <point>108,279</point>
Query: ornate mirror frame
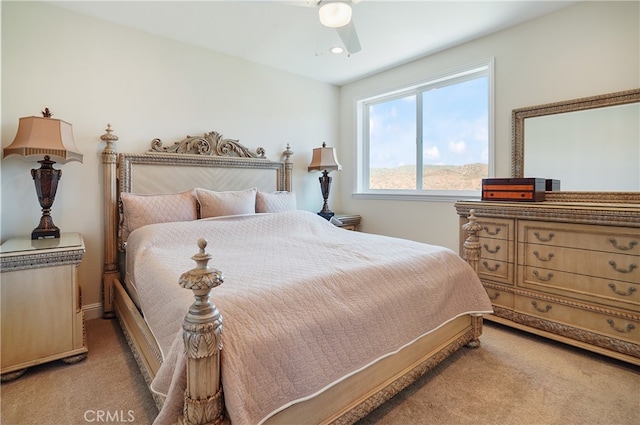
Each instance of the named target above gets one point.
<point>518,117</point>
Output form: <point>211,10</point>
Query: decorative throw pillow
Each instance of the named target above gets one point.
<point>216,204</point>
<point>275,202</point>
<point>140,210</point>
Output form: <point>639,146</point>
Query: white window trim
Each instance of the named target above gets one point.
<point>362,173</point>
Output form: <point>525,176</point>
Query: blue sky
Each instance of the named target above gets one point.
<point>454,129</point>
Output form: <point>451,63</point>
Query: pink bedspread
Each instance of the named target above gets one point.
<point>304,303</point>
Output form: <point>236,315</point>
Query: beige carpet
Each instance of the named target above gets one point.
<point>514,378</point>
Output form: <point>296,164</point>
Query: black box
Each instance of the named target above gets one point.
<point>521,189</point>
<point>552,185</point>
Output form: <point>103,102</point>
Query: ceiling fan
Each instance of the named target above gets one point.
<point>338,14</point>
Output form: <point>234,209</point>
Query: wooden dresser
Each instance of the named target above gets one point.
<point>569,271</point>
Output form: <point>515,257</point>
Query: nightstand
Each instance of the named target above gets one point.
<point>42,318</point>
<point>349,221</point>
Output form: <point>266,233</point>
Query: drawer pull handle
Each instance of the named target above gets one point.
<point>615,267</point>
<point>614,242</point>
<point>626,330</point>
<point>541,310</point>
<point>547,258</point>
<point>541,239</point>
<point>489,232</point>
<point>542,278</point>
<point>624,294</point>
<point>495,296</point>
<point>486,265</point>
<point>486,247</point>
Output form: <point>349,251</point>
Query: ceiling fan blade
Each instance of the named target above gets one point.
<point>349,38</point>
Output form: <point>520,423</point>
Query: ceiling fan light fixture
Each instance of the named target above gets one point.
<point>335,14</point>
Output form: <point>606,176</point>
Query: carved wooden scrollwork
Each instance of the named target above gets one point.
<point>476,324</point>
<point>471,246</point>
<point>211,144</point>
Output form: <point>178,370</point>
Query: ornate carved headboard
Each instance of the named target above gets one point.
<point>210,162</point>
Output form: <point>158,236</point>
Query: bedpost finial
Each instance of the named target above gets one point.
<point>202,278</point>
<point>287,153</point>
<point>472,226</point>
<point>202,244</point>
<point>109,138</point>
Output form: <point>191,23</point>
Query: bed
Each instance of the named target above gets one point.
<point>321,324</point>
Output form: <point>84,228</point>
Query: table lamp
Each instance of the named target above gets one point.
<point>324,159</point>
<point>44,138</point>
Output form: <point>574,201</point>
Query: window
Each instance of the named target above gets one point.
<point>430,139</point>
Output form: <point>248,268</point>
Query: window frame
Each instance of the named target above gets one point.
<point>458,75</point>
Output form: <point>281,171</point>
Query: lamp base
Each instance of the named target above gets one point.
<point>46,181</point>
<point>325,185</point>
<point>326,214</point>
<point>45,233</point>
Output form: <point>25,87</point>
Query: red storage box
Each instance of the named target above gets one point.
<point>520,189</point>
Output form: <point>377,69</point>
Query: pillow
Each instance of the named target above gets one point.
<point>275,202</point>
<point>140,210</point>
<point>216,204</point>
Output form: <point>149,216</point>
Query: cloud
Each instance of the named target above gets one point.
<point>431,153</point>
<point>458,147</point>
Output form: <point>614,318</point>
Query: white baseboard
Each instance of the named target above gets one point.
<point>92,311</point>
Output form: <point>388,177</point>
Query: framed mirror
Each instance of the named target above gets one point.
<point>589,144</point>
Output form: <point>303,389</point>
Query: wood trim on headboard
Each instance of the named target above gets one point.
<point>211,151</point>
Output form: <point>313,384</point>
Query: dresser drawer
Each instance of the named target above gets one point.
<point>622,267</point>
<point>496,228</point>
<point>605,291</point>
<point>496,249</point>
<point>592,320</point>
<point>496,270</point>
<point>622,240</point>
<point>499,297</point>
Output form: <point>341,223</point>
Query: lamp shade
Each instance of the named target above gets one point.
<point>40,136</point>
<point>324,158</point>
<point>335,14</point>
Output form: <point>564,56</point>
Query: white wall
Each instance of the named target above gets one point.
<point>584,50</point>
<point>91,73</point>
